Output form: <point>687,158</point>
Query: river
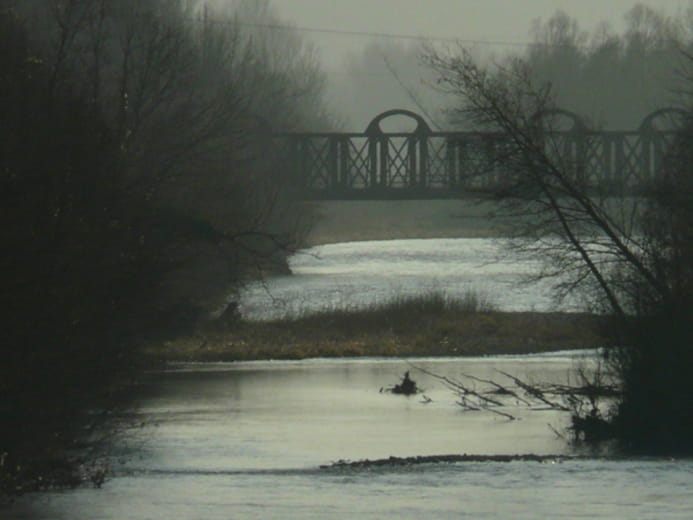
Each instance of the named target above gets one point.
<point>249,440</point>
<point>354,274</point>
<point>246,441</point>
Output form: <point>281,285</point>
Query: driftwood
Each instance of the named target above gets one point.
<point>582,400</point>
<point>536,392</point>
<point>438,459</point>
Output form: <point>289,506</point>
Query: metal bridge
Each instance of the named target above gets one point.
<point>430,164</point>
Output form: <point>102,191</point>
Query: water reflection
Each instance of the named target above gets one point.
<point>358,273</point>
<point>246,441</point>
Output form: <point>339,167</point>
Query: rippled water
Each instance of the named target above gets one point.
<point>247,440</point>
<point>358,273</point>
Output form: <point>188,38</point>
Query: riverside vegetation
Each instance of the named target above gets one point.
<point>635,263</point>
<point>430,324</point>
<point>136,193</point>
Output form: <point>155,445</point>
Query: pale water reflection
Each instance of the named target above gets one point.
<point>246,440</point>
<point>354,274</point>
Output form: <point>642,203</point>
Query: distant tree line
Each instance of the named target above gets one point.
<point>137,193</point>
<point>613,80</point>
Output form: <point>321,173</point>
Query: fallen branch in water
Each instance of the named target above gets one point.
<point>500,389</point>
<point>470,399</point>
<point>582,401</point>
<point>536,393</point>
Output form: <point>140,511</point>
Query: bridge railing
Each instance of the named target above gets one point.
<point>424,162</point>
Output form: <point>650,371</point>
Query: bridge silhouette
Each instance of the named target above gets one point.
<point>423,163</point>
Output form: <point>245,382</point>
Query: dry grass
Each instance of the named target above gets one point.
<point>428,325</point>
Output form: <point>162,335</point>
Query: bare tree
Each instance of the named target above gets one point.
<point>138,189</point>
<point>189,92</point>
<point>625,254</point>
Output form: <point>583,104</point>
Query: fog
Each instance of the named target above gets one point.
<point>612,62</point>
<point>148,180</point>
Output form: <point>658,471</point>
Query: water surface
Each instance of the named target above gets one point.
<point>246,440</point>
<point>355,274</point>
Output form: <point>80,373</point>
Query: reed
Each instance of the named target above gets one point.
<point>398,310</point>
<point>428,324</point>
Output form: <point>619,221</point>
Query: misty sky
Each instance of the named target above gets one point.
<point>492,27</point>
<point>489,20</point>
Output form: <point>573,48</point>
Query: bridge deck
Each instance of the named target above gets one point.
<point>427,164</point>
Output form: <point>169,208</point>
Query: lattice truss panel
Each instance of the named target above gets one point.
<point>358,164</point>
<point>630,169</point>
<point>596,160</point>
<point>475,161</point>
<point>315,162</point>
<point>467,160</point>
<point>581,157</point>
<point>438,163</point>
<point>398,162</point>
<point>575,156</point>
<point>609,159</point>
<point>657,147</point>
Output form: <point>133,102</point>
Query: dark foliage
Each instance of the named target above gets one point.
<point>134,196</point>
<point>653,355</point>
<point>67,269</point>
<point>654,364</point>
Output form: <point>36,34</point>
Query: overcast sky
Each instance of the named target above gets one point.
<point>488,20</point>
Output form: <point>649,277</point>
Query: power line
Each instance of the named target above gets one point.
<point>410,93</point>
<point>360,34</point>
<point>400,36</point>
<point>369,34</point>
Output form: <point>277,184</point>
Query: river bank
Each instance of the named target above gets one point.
<point>377,334</point>
<point>358,220</point>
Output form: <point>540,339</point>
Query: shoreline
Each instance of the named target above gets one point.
<point>261,363</point>
<point>472,334</point>
<point>363,220</point>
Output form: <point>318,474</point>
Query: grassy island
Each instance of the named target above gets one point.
<point>426,325</point>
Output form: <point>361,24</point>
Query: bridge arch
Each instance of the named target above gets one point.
<point>578,124</point>
<point>657,134</point>
<point>421,124</point>
<point>648,123</point>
